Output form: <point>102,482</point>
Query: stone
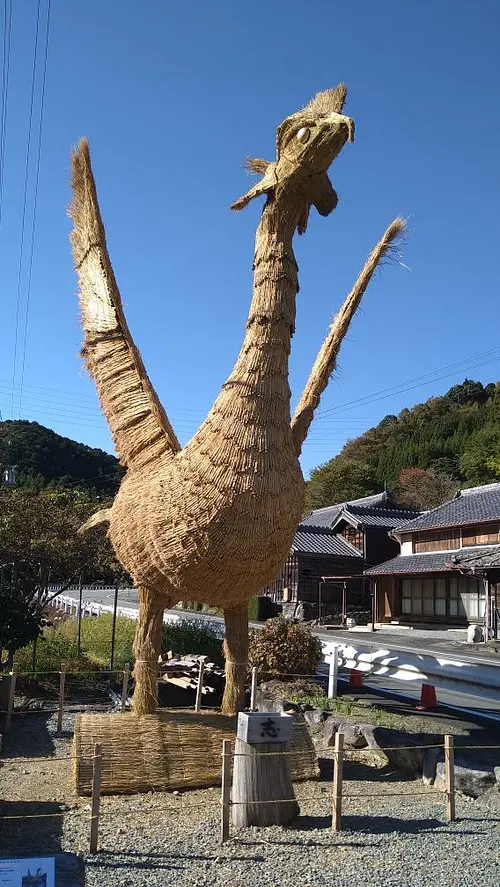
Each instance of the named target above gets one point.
<point>316,717</point>
<point>470,779</point>
<point>353,733</point>
<point>497,774</point>
<point>431,758</point>
<point>401,749</point>
<point>491,797</point>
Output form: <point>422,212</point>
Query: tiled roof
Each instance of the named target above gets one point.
<point>475,505</point>
<point>324,517</point>
<point>376,511</point>
<point>439,561</point>
<point>378,517</point>
<point>320,540</point>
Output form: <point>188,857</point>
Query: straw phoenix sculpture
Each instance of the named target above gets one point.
<point>213,521</point>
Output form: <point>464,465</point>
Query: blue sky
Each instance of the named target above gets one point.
<point>173,97</point>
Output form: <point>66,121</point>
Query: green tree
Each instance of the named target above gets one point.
<point>419,489</point>
<point>21,613</point>
<point>40,544</point>
<point>339,480</point>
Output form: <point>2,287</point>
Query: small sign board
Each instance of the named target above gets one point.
<point>28,872</point>
<point>264,726</point>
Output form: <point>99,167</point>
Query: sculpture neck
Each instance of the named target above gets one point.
<point>261,370</point>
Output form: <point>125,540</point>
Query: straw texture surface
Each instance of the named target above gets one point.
<point>166,751</point>
<point>212,522</point>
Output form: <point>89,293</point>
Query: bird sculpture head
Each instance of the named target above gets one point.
<point>306,144</point>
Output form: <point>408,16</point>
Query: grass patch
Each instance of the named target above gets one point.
<point>58,645</point>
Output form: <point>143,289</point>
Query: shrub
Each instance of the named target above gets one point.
<point>253,609</point>
<point>282,648</point>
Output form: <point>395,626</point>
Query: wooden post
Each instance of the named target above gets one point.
<point>262,784</point>
<point>96,798</point>
<point>253,690</point>
<point>332,676</point>
<point>199,688</point>
<point>338,761</point>
<point>449,764</point>
<point>126,674</point>
<point>62,683</point>
<point>226,790</point>
<point>12,693</point>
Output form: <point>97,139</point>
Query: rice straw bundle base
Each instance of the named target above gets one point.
<point>168,750</point>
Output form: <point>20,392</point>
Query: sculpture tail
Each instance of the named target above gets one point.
<point>327,356</point>
<point>139,425</point>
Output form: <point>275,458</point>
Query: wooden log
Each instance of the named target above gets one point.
<point>126,675</point>
<point>449,764</point>
<point>96,798</point>
<point>199,688</point>
<point>226,790</point>
<point>60,711</point>
<point>253,690</point>
<point>262,785</point>
<point>10,703</point>
<point>338,762</point>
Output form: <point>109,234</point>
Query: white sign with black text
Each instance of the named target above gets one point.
<point>264,726</point>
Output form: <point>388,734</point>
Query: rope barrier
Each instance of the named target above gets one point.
<point>179,806</point>
<point>65,759</point>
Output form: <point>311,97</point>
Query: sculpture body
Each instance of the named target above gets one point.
<point>213,521</point>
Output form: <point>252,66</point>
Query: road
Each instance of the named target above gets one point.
<point>394,665</point>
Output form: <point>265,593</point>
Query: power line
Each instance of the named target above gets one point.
<point>35,200</point>
<point>7,21</point>
<point>25,204</point>
<point>427,377</point>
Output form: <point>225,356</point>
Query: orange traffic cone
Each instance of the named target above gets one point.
<point>428,698</point>
<point>356,680</point>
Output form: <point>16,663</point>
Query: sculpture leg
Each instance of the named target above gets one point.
<point>236,653</point>
<point>147,648</point>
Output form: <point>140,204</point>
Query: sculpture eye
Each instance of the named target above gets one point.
<point>303,135</point>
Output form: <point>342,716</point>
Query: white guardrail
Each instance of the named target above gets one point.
<point>462,675</point>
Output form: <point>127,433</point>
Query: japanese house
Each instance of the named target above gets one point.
<point>323,574</point>
<point>448,569</point>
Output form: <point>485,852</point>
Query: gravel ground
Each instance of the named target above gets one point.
<point>166,839</point>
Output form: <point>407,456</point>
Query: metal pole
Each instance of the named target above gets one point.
<point>320,583</point>
<point>113,630</point>
<point>374,604</point>
<point>332,676</point>
<point>79,637</point>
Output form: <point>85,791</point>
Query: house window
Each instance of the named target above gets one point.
<point>406,597</point>
<point>455,597</point>
<point>436,540</point>
<point>480,534</point>
<point>354,536</point>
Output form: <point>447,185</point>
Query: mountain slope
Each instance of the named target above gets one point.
<point>422,455</point>
<point>44,458</point>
